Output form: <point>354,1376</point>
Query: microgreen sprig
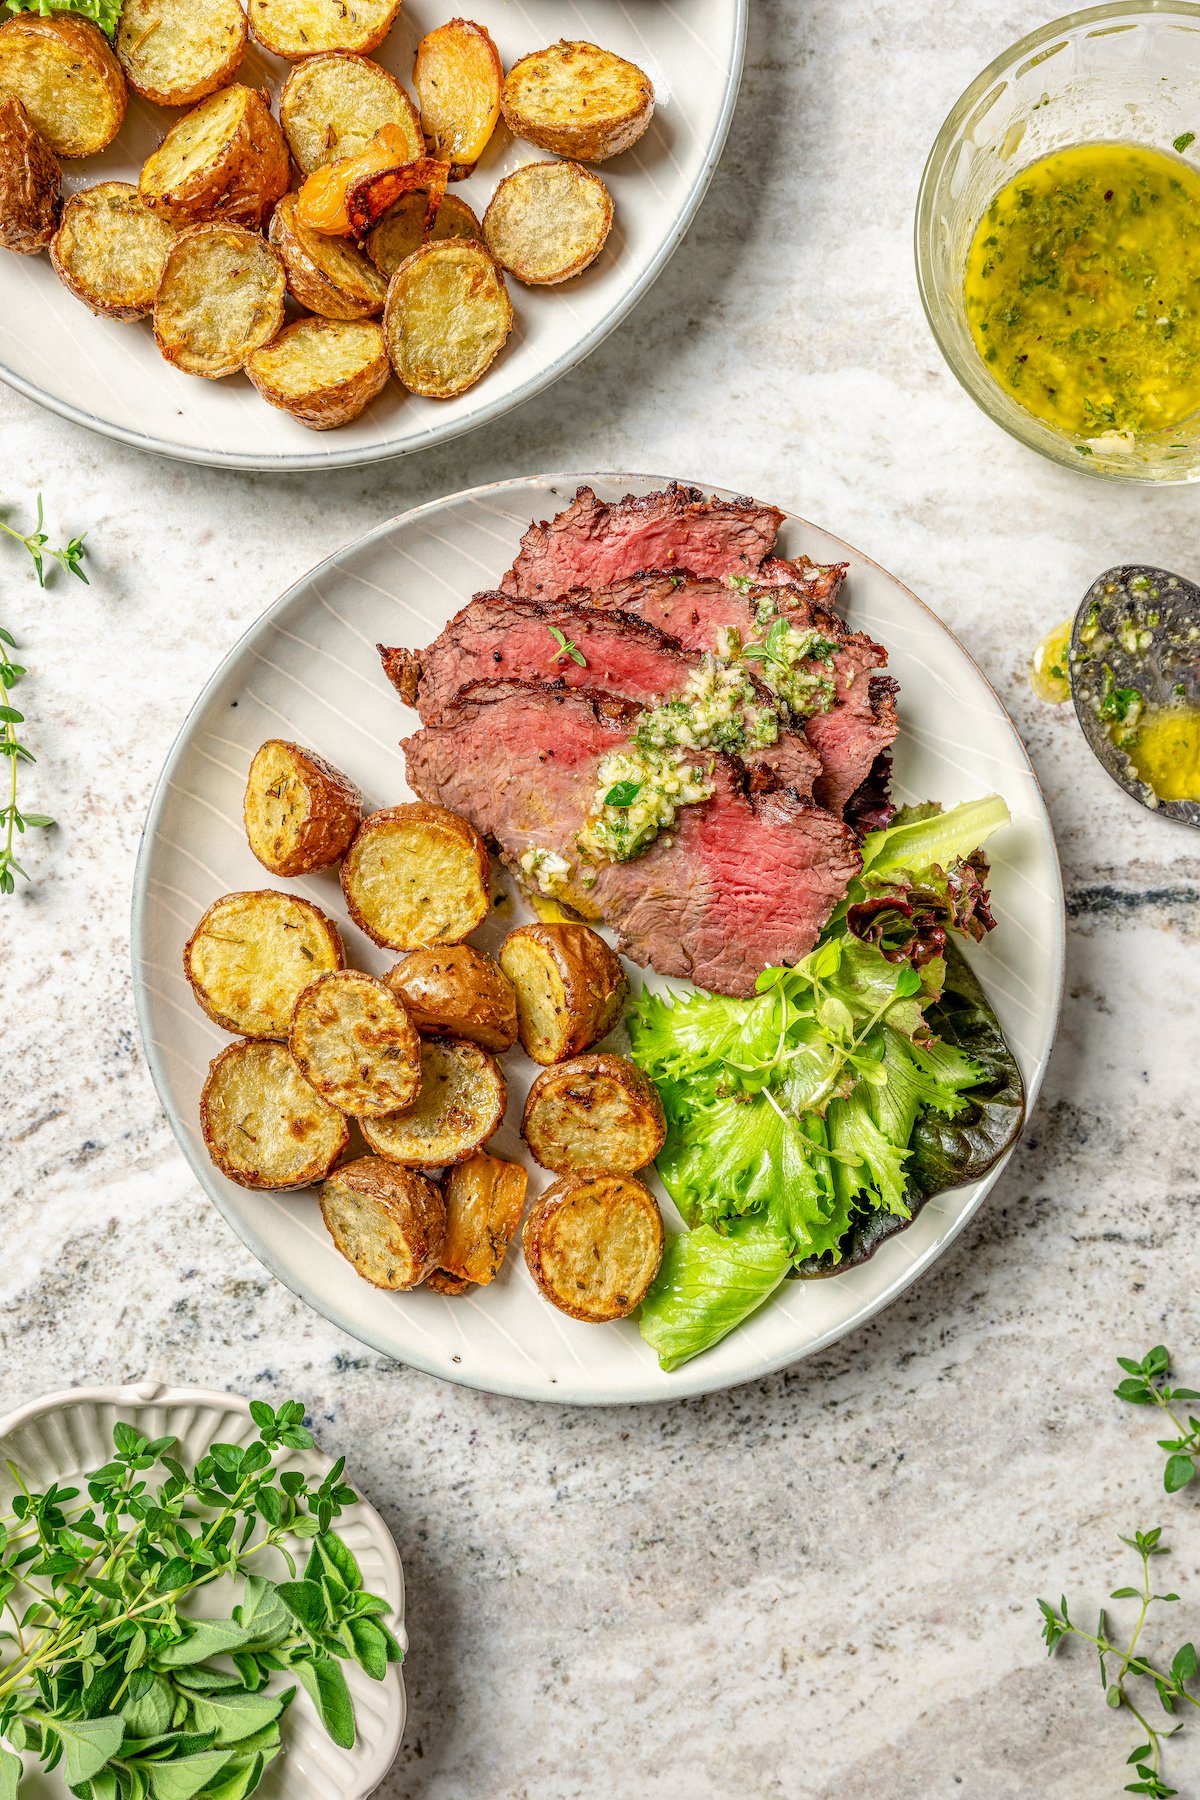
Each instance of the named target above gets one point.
<point>1145,1385</point>
<point>566,647</point>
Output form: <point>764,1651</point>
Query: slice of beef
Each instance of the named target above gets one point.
<point>818,582</point>
<point>592,542</point>
<point>742,881</point>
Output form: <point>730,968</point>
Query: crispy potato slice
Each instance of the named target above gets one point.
<point>325,372</point>
<point>325,273</point>
<point>596,1112</point>
<point>458,75</point>
<point>441,1283</point>
<point>296,28</point>
<point>300,812</point>
<point>331,107</point>
<point>389,1222</point>
<point>263,1125</point>
<point>456,991</point>
<point>372,195</point>
<point>405,226</point>
<point>110,250</point>
<point>225,160</point>
<point>253,954</point>
<point>175,52</point>
<point>548,221</point>
<point>417,875</point>
<point>570,988</point>
<point>30,182</point>
<point>68,80</point>
<point>460,1106</point>
<point>577,100</point>
<point>221,298</point>
<point>593,1244</point>
<point>355,1045</point>
<point>448,316</point>
<point>323,202</point>
<point>484,1198</point>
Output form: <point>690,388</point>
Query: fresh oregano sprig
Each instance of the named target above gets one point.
<point>36,541</point>
<point>1146,1385</point>
<point>105,1668</point>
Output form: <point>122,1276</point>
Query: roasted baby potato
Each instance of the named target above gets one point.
<point>456,991</point>
<point>597,1112</point>
<point>570,988</point>
<point>458,75</point>
<point>417,875</point>
<point>325,372</point>
<point>460,1105</point>
<point>309,27</point>
<point>389,1222</point>
<point>593,1244</point>
<point>110,250</point>
<point>332,106</point>
<point>547,221</point>
<point>225,160</point>
<point>263,1124</point>
<point>355,1045</point>
<point>253,954</point>
<point>221,298</point>
<point>405,227</point>
<point>577,100</point>
<point>441,1283</point>
<point>68,80</point>
<point>484,1197</point>
<point>174,52</point>
<point>351,193</point>
<point>325,274</point>
<point>300,812</point>
<point>447,318</point>
<point>30,182</point>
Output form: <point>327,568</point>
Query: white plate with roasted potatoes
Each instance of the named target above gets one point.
<point>296,234</point>
<point>404,1087</point>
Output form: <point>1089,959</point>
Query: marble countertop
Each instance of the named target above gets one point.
<point>821,1584</point>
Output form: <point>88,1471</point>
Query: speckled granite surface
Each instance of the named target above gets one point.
<point>821,1585</point>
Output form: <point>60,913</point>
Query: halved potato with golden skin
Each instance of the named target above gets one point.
<point>64,73</point>
<point>354,1043</point>
<point>578,100</point>
<point>405,227</point>
<point>325,274</point>
<point>296,28</point>
<point>448,316</point>
<point>263,1125</point>
<point>30,182</point>
<point>570,988</point>
<point>593,1244</point>
<point>226,160</point>
<point>175,52</point>
<point>332,106</point>
<point>300,812</point>
<point>253,954</point>
<point>484,1197</point>
<point>597,1112</point>
<point>458,75</point>
<point>454,990</point>
<point>417,875</point>
<point>221,298</point>
<point>325,372</point>
<point>442,1283</point>
<point>388,1221</point>
<point>460,1106</point>
<point>548,221</point>
<point>111,250</point>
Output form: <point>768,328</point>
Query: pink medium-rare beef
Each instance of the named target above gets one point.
<point>592,542</point>
<point>818,582</point>
<point>741,882</point>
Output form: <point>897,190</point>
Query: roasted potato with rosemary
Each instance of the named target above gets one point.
<point>332,106</point>
<point>453,990</point>
<point>348,196</point>
<point>548,221</point>
<point>593,1244</point>
<point>221,298</point>
<point>484,1198</point>
<point>325,274</point>
<point>325,372</point>
<point>460,1106</point>
<point>64,73</point>
<point>30,182</point>
<point>110,250</point>
<point>225,160</point>
<point>447,318</point>
<point>417,875</point>
<point>263,1125</point>
<point>458,75</point>
<point>406,226</point>
<point>578,101</point>
<point>253,954</point>
<point>388,1221</point>
<point>352,1040</point>
<point>176,52</point>
<point>442,1283</point>
<point>300,812</point>
<point>570,988</point>
<point>597,1112</point>
<point>296,28</point>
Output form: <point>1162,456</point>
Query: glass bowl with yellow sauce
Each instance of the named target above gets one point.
<point>1058,240</point>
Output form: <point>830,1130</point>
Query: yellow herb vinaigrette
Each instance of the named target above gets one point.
<point>1083,289</point>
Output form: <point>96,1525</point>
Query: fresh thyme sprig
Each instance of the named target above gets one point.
<point>1146,1386</point>
<point>35,541</point>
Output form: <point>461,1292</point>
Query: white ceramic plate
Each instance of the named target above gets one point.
<point>111,378</point>
<point>308,670</point>
<point>60,1436</point>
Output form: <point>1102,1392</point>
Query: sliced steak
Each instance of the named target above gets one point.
<point>818,582</point>
<point>741,882</point>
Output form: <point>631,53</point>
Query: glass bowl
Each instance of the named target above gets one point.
<point>1124,72</point>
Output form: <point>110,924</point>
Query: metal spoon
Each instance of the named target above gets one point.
<point>1136,633</point>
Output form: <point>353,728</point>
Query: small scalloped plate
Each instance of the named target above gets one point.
<point>59,1436</point>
